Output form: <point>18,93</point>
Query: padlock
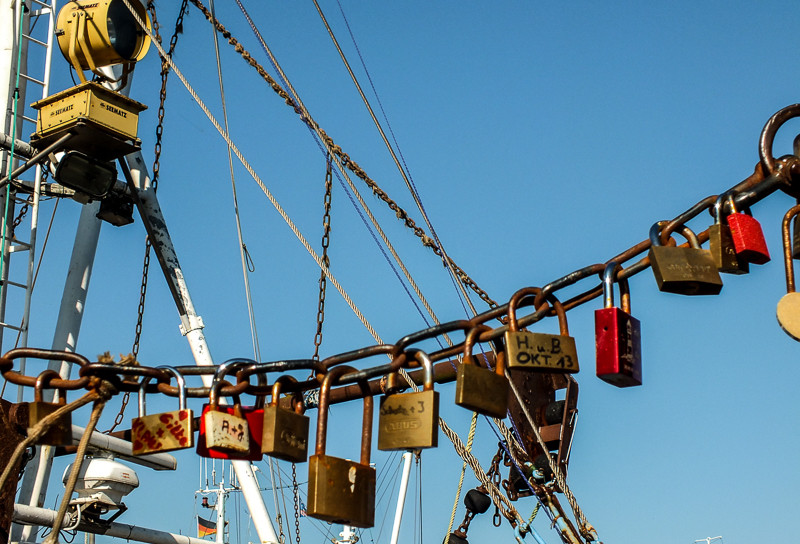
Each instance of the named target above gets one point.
<point>480,389</point>
<point>796,237</point>
<point>618,336</point>
<point>285,434</point>
<point>536,350</point>
<point>410,421</point>
<point>342,491</point>
<point>164,432</point>
<point>223,430</point>
<point>748,237</point>
<point>683,270</point>
<point>253,416</point>
<point>789,305</point>
<point>60,432</point>
<point>721,245</point>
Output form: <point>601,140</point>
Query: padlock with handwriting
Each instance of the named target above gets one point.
<point>60,432</point>
<point>163,432</point>
<point>285,434</point>
<point>410,420</point>
<point>222,430</point>
<point>339,490</point>
<point>536,350</point>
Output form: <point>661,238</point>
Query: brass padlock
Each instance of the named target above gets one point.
<point>60,432</point>
<point>480,389</point>
<point>342,491</point>
<point>788,311</point>
<point>683,270</point>
<point>720,243</point>
<point>163,432</point>
<point>409,421</point>
<point>536,350</point>
<point>285,434</point>
<point>223,431</point>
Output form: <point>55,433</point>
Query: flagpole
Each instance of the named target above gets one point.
<point>221,494</point>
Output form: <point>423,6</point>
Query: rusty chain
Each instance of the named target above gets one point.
<point>343,157</point>
<point>296,490</point>
<point>326,238</point>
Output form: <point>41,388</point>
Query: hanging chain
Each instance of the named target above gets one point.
<point>154,183</point>
<point>343,157</point>
<point>326,235</point>
<point>296,503</point>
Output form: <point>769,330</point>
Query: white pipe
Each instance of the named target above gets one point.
<point>401,497</point>
<point>43,516</point>
<point>220,507</point>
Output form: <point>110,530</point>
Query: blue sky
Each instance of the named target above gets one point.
<point>542,138</point>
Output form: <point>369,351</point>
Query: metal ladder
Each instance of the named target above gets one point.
<point>38,20</point>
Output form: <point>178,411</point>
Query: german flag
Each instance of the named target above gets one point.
<point>205,527</point>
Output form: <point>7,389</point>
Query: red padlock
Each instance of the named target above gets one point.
<point>618,336</point>
<point>748,238</point>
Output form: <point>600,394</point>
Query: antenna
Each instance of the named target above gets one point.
<point>709,539</point>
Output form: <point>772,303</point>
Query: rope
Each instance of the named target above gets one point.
<point>38,430</point>
<point>97,409</point>
<point>470,437</point>
<point>257,179</point>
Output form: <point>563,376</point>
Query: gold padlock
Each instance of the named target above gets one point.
<point>409,421</point>
<point>788,310</point>
<point>163,432</point>
<point>223,431</point>
<point>536,350</point>
<point>60,432</point>
<point>720,243</point>
<point>683,270</point>
<point>342,491</point>
<point>480,389</point>
<point>285,431</point>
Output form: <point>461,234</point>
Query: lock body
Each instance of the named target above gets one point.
<point>540,351</point>
<point>684,270</point>
<point>481,390</point>
<point>254,418</point>
<point>618,340</point>
<point>409,421</point>
<point>720,243</point>
<point>789,314</point>
<point>60,433</point>
<point>748,238</point>
<point>164,432</point>
<point>341,491</point>
<point>285,434</point>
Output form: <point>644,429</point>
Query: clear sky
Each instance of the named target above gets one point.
<point>543,137</point>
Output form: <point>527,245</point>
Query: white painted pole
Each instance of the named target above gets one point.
<point>220,507</point>
<point>401,497</point>
<point>46,517</point>
<point>192,327</point>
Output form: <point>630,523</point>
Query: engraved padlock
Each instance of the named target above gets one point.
<point>720,243</point>
<point>285,434</point>
<point>223,430</point>
<point>748,237</point>
<point>618,336</point>
<point>683,270</point>
<point>481,389</point>
<point>339,490</point>
<point>788,311</point>
<point>410,420</point>
<point>536,350</point>
<point>163,432</point>
<point>60,432</point>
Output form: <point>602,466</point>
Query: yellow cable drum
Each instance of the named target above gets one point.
<point>97,33</point>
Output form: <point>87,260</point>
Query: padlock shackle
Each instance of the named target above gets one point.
<point>655,234</point>
<point>322,412</point>
<point>180,381</point>
<point>222,371</point>
<point>297,397</point>
<point>610,273</point>
<point>42,380</point>
<point>516,298</point>
<point>470,340</point>
<point>787,247</point>
<point>719,206</point>
<point>427,367</point>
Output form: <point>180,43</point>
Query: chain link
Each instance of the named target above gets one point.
<point>343,157</point>
<point>296,490</point>
<point>326,236</point>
